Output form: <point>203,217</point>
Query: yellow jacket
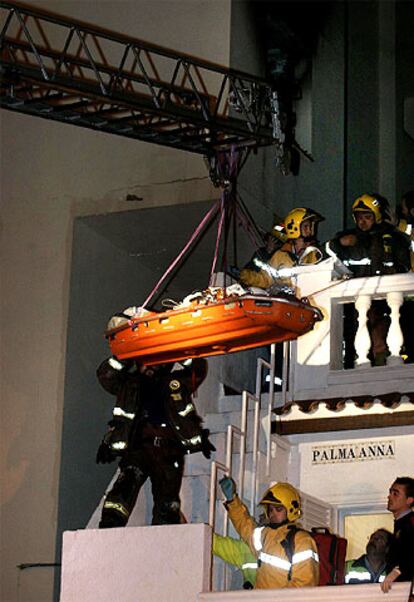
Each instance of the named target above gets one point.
<point>275,570</point>
<point>237,553</point>
<point>283,258</point>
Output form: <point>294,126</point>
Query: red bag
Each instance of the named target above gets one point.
<point>332,552</point>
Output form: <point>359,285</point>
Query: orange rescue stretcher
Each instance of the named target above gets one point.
<point>211,328</point>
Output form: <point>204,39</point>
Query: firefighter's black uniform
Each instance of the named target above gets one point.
<point>154,425</point>
<point>381,250</point>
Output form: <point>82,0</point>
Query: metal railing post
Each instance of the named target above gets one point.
<point>270,404</point>
<point>241,432</point>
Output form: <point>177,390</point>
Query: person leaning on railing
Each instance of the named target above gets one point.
<point>400,565</point>
<point>370,567</point>
<point>287,555</point>
<point>374,247</point>
<point>300,248</point>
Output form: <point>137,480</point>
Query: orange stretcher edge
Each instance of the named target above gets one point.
<point>212,328</point>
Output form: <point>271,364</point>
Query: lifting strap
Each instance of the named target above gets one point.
<point>229,206</point>
<point>193,237</point>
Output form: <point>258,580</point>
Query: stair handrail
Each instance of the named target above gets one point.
<point>242,433</point>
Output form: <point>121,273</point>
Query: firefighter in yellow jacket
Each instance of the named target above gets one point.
<point>300,248</point>
<point>287,555</point>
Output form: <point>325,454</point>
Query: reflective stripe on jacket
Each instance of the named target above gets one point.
<point>237,553</point>
<point>282,259</point>
<point>359,571</point>
<point>172,391</point>
<point>275,569</point>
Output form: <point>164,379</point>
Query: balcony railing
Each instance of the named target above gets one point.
<point>316,359</point>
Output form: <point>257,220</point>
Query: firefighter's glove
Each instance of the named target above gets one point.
<point>228,487</point>
<point>114,442</point>
<point>105,455</point>
<point>206,446</point>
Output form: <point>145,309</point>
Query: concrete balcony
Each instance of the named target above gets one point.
<point>344,593</point>
<point>316,370</point>
<point>172,563</point>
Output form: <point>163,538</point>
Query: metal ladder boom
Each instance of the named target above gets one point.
<point>68,71</point>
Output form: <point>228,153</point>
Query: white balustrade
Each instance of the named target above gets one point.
<point>316,366</point>
<point>395,336</point>
<point>362,339</point>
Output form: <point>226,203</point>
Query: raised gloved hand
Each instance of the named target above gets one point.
<point>228,487</point>
<point>206,446</point>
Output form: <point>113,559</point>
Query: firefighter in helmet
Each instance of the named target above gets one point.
<point>372,248</point>
<point>299,248</point>
<point>287,555</point>
<point>154,425</point>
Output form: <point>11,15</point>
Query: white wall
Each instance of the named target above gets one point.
<point>357,483</point>
<point>52,173</point>
<point>181,553</point>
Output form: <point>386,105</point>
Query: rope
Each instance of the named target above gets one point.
<point>329,286</point>
<point>219,230</point>
<point>228,167</point>
<point>195,234</point>
<point>248,216</point>
<point>247,227</point>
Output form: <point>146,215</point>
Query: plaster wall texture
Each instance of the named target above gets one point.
<point>51,174</point>
<point>320,183</point>
<point>166,564</point>
<point>355,483</point>
<point>404,97</point>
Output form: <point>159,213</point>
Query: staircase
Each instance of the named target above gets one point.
<point>196,483</point>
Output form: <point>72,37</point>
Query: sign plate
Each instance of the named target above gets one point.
<point>353,452</point>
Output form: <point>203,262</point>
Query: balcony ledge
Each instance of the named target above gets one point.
<point>345,593</point>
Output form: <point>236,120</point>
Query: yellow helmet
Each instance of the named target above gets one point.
<point>285,495</point>
<point>278,232</point>
<point>368,202</point>
<point>296,217</point>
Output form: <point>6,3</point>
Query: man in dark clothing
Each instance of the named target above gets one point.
<point>374,247</point>
<point>154,425</point>
<point>370,567</point>
<point>400,566</point>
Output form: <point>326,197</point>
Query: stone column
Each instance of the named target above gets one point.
<point>395,337</point>
<point>362,338</point>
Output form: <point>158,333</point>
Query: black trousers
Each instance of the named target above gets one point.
<point>160,460</point>
<point>378,322</point>
<point>378,326</point>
